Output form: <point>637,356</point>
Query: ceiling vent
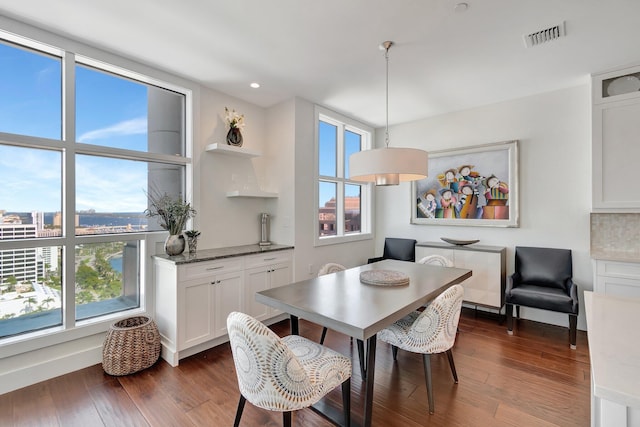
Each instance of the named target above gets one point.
<point>544,36</point>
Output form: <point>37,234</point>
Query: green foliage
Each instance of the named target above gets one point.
<point>192,233</point>
<point>173,212</point>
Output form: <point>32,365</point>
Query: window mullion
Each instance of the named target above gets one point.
<point>340,208</point>
<point>340,175</point>
<point>68,189</point>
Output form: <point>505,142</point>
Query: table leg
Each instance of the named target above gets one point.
<point>362,359</point>
<point>371,367</point>
<point>294,325</point>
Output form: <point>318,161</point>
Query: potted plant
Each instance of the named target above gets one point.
<point>172,213</point>
<point>192,240</point>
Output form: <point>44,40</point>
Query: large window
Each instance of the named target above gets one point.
<point>81,145</point>
<point>343,206</point>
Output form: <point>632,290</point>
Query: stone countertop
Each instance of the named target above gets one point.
<point>613,347</point>
<point>228,252</point>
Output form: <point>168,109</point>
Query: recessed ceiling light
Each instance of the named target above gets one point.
<point>255,85</point>
<point>461,7</point>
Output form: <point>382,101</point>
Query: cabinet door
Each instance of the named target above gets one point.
<point>423,251</point>
<point>255,280</point>
<point>195,301</point>
<point>280,275</point>
<point>228,297</point>
<point>616,129</point>
<point>483,287</point>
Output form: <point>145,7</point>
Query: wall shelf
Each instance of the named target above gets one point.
<point>230,150</point>
<point>252,193</point>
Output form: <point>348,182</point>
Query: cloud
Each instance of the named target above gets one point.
<point>135,126</point>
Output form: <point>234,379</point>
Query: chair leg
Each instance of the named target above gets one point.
<point>346,401</point>
<point>286,419</point>
<point>394,351</point>
<point>573,324</point>
<point>324,334</point>
<point>517,311</point>
<point>452,365</point>
<point>241,403</point>
<point>426,360</point>
<point>509,312</point>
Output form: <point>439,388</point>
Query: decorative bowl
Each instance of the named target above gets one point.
<point>459,242</point>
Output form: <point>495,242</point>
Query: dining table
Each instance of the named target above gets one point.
<point>342,302</point>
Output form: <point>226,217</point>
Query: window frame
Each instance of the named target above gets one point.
<point>72,53</point>
<point>343,124</point>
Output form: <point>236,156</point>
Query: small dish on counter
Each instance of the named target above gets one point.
<point>459,242</point>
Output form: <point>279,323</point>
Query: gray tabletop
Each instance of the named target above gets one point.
<point>342,303</point>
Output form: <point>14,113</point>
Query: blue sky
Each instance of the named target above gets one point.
<point>111,111</point>
<point>327,159</point>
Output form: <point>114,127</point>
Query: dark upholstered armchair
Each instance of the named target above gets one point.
<point>400,249</point>
<point>543,279</point>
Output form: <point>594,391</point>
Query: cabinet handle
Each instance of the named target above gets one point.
<point>215,268</point>
<point>215,282</point>
<point>270,259</point>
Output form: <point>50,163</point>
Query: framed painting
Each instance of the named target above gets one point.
<point>473,186</point>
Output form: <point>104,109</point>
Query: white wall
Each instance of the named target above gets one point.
<point>227,221</point>
<point>280,161</point>
<point>554,130</point>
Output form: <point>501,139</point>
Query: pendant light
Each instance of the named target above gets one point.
<point>388,165</point>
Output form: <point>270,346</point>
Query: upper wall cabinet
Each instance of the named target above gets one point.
<point>616,139</point>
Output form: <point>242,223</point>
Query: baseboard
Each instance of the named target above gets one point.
<point>32,374</point>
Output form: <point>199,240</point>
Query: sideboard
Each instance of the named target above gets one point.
<point>489,265</point>
<point>195,293</point>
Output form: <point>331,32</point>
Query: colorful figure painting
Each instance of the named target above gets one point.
<point>469,186</point>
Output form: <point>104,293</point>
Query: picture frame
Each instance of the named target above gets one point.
<point>470,186</point>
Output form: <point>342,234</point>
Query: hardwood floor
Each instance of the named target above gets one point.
<point>529,379</point>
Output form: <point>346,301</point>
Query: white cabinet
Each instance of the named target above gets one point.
<point>263,272</point>
<point>193,299</point>
<point>617,278</point>
<point>488,265</point>
<point>616,131</point>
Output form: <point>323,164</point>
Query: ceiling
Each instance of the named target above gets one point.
<point>327,51</point>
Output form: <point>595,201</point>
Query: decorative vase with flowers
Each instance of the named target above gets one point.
<point>173,213</point>
<point>235,121</point>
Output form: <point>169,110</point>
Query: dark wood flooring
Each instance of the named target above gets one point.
<point>529,379</point>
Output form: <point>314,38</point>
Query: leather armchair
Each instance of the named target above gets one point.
<point>543,279</point>
<point>400,249</point>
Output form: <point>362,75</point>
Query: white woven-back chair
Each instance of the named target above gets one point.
<point>436,260</point>
<point>284,374</point>
<point>330,267</point>
<point>429,332</point>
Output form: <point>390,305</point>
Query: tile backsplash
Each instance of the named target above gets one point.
<point>615,234</point>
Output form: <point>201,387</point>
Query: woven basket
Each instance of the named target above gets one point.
<point>131,345</point>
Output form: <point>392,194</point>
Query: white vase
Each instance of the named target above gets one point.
<point>174,245</point>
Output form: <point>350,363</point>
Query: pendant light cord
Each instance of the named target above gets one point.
<point>386,46</point>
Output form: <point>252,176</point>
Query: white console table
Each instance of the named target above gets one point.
<point>489,265</point>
